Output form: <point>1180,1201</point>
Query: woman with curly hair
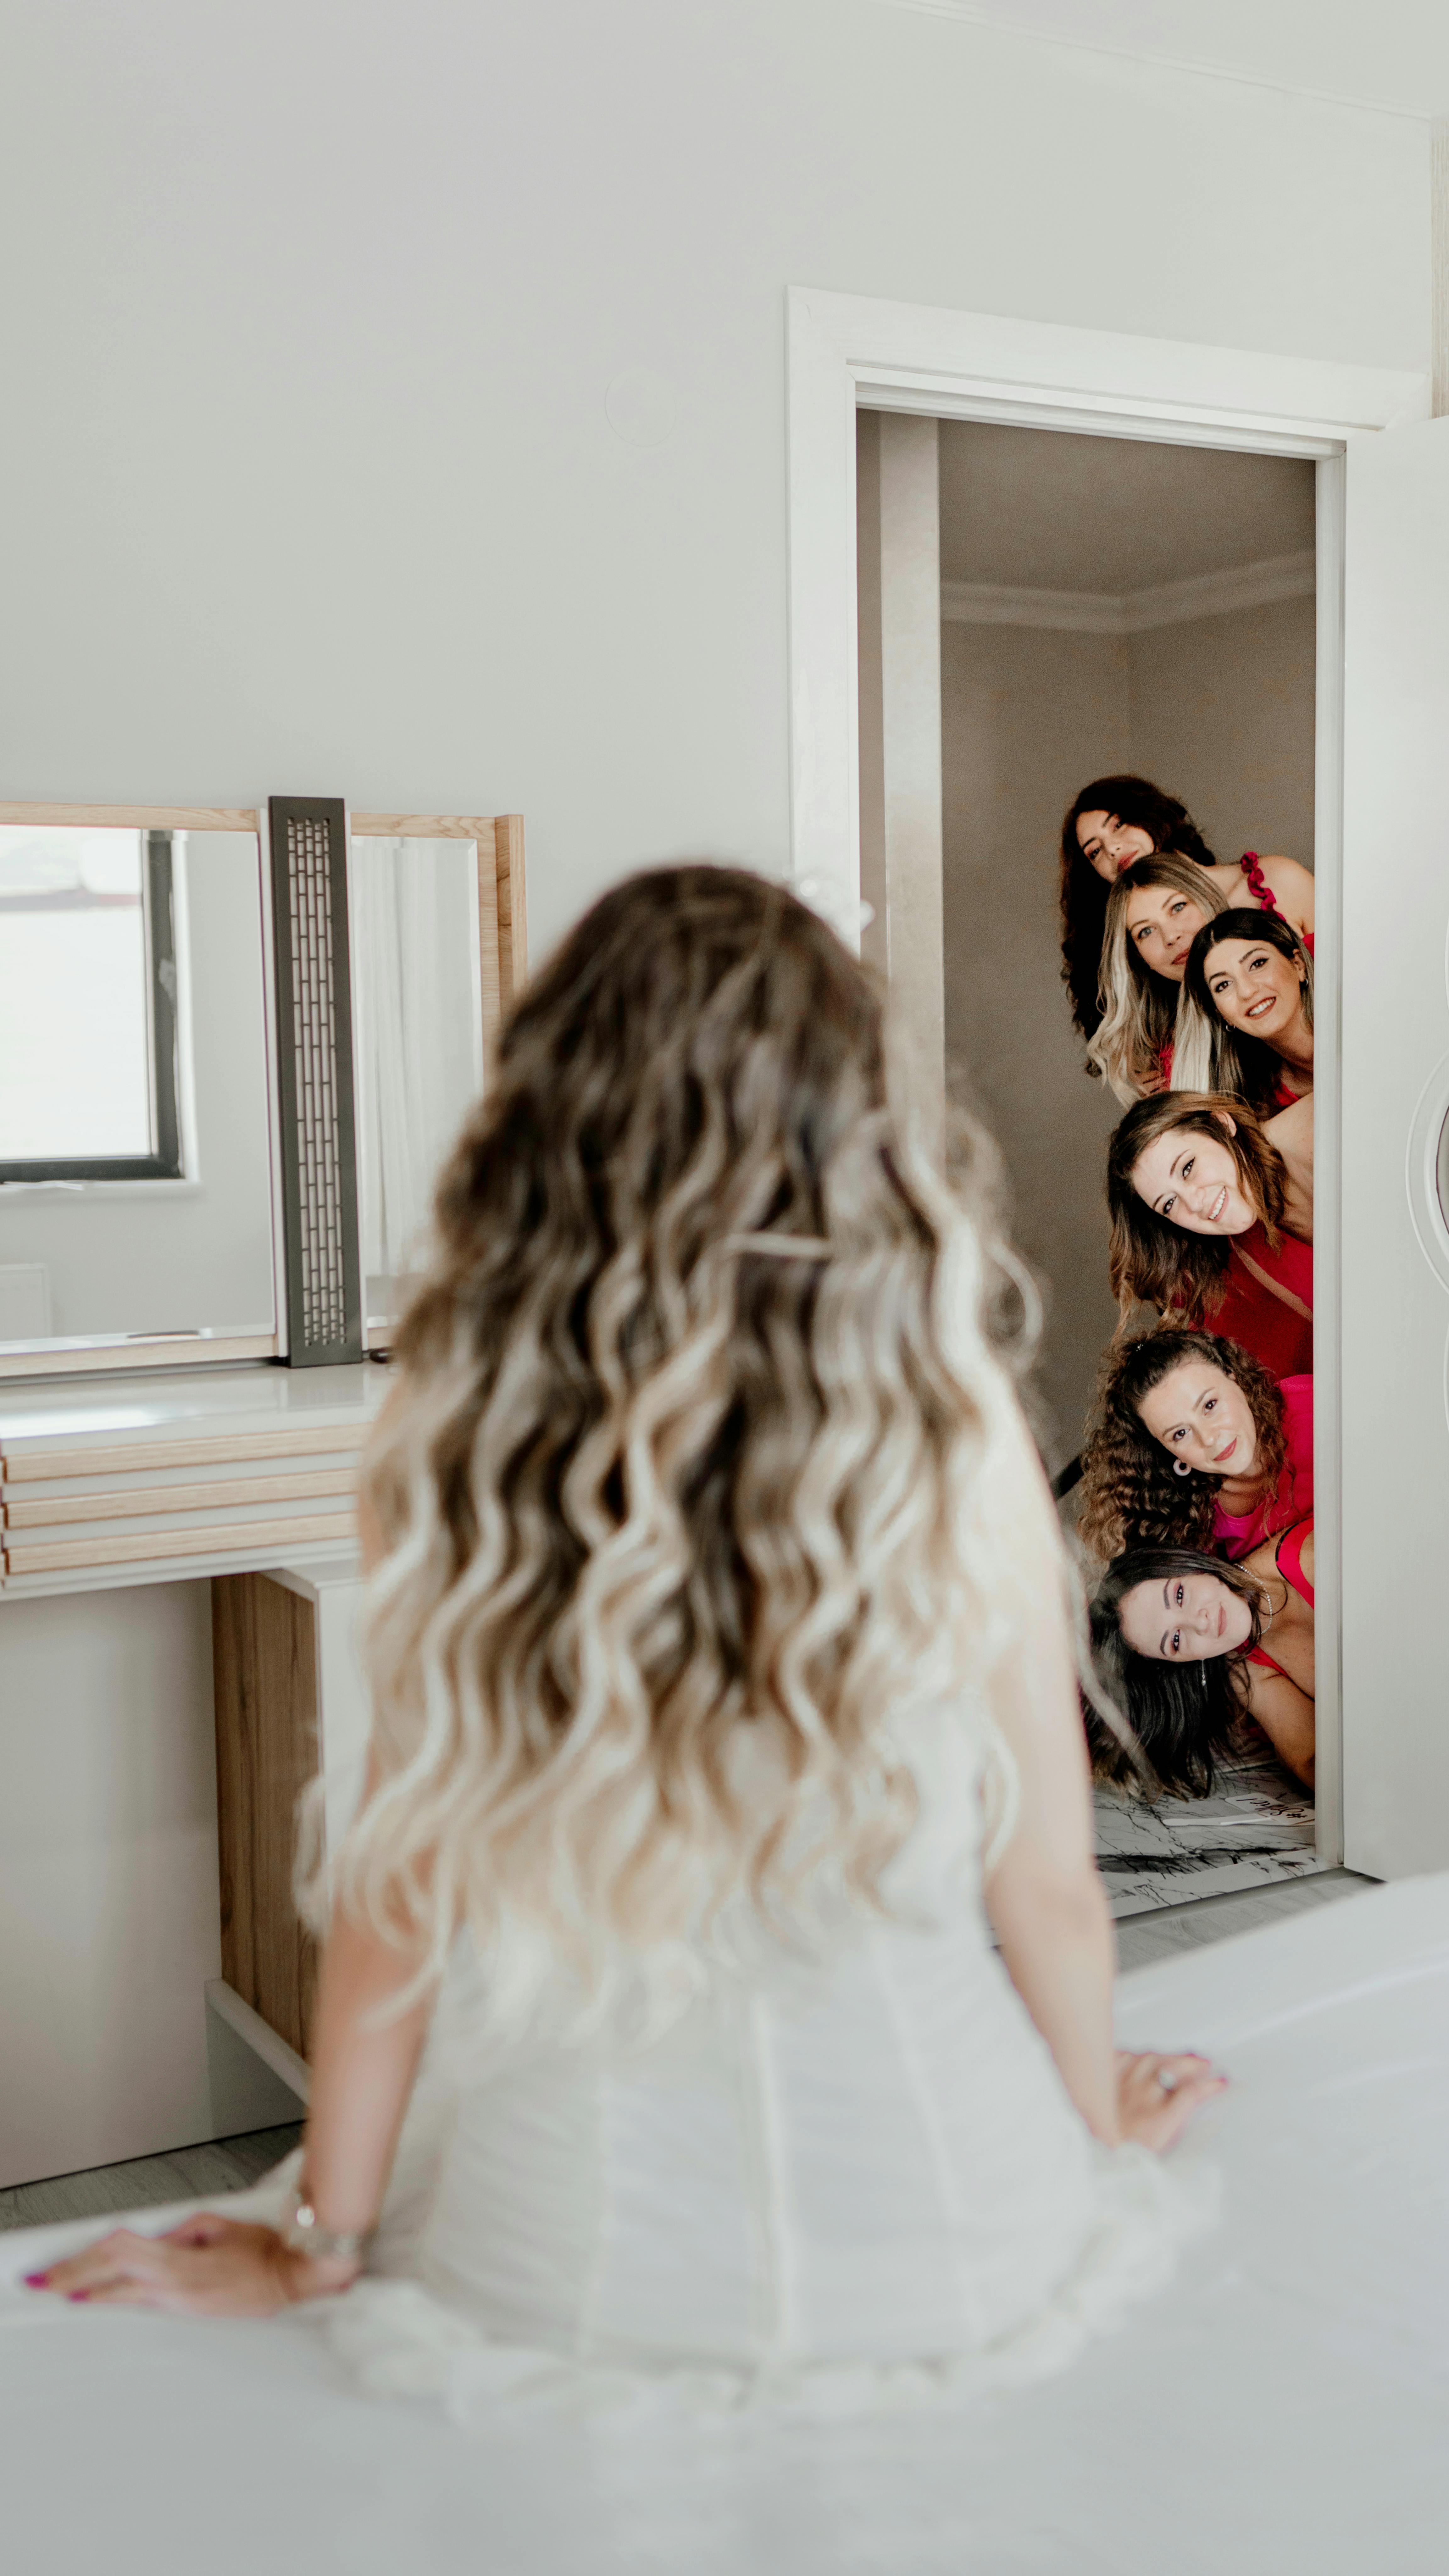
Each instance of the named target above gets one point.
<point>1194,1444</point>
<point>1245,1016</point>
<point>1112,823</point>
<point>1181,1643</point>
<point>720,1659</point>
<point>1212,1221</point>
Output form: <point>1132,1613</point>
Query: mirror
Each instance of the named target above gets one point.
<point>135,1152</point>
<point>417,908</point>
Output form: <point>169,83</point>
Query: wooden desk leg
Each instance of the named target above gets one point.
<point>290,1697</point>
<point>264,1651</point>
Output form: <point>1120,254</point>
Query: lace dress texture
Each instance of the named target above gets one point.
<point>848,2179</point>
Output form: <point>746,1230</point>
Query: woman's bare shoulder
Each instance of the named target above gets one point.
<point>1291,1129</point>
<point>1292,883</point>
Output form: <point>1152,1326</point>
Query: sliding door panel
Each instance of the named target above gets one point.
<point>1395,1073</point>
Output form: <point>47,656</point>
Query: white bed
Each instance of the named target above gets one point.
<point>1285,2407</point>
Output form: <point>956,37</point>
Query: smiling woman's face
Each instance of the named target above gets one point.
<point>1254,987</point>
<point>1109,845</point>
<point>1162,925</point>
<point>1184,1619</point>
<point>1194,1182</point>
<point>1201,1415</point>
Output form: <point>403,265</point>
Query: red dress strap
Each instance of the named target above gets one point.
<point>1289,1559</point>
<point>1252,868</point>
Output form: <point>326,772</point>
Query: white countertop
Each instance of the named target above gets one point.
<point>135,1407</point>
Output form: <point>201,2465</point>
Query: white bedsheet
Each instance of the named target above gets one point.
<point>1285,2407</point>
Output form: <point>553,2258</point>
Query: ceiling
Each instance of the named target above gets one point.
<point>1394,54</point>
<point>1045,509</point>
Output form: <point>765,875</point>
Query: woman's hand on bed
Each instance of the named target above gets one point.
<point>209,2266</point>
<point>1158,2095</point>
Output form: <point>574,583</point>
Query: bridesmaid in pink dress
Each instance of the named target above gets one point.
<point>1212,1220</point>
<point>1193,1443</point>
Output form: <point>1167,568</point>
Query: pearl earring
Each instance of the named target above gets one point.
<point>1180,1467</point>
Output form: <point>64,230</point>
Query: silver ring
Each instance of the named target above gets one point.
<point>1168,2081</point>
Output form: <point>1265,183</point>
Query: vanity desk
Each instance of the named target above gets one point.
<point>244,1478</point>
<point>209,1212</point>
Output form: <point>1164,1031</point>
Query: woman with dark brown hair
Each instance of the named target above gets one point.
<point>1245,1015</point>
<point>1194,1444</point>
<point>1212,1220</point>
<point>1112,823</point>
<point>1182,1643</point>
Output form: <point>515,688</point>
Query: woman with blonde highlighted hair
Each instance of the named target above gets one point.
<point>1109,828</point>
<point>1155,910</point>
<point>720,1656</point>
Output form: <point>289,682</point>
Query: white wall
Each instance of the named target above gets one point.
<point>313,307</point>
<point>311,311</point>
<point>1027,716</point>
<point>1222,716</point>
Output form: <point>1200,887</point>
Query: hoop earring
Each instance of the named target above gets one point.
<point>1180,1467</point>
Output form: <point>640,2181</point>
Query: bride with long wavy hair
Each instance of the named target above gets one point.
<point>692,1406</point>
<point>720,1657</point>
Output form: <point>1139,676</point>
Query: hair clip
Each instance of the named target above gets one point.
<point>782,1247</point>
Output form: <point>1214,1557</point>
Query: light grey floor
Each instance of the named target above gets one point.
<point>1167,1928</point>
<point>229,2164</point>
<point>187,2173</point>
<point>1255,1830</point>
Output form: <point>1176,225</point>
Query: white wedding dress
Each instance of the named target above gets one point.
<point>836,2180</point>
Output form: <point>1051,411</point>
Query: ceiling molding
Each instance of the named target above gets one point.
<point>1099,612</point>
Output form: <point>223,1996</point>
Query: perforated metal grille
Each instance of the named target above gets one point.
<point>321,1237</point>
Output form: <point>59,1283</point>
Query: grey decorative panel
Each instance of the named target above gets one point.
<point>314,1058</point>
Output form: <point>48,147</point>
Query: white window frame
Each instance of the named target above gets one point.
<point>851,353</point>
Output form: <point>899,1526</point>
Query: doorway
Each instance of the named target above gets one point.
<point>1101,608</point>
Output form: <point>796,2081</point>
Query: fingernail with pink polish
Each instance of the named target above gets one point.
<point>77,2294</point>
<point>36,2280</point>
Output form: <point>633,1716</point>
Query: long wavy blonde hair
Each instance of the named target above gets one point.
<point>1140,1009</point>
<point>679,1470</point>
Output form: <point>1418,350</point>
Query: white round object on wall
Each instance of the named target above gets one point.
<point>641,405</point>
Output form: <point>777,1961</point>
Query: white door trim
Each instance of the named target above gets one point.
<point>850,352</point>
<point>847,353</point>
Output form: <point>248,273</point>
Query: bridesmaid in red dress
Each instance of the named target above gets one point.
<point>1191,1645</point>
<point>1245,1018</point>
<point>1155,911</point>
<point>1212,1220</point>
<point>1115,821</point>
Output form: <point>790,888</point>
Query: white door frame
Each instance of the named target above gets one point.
<point>848,353</point>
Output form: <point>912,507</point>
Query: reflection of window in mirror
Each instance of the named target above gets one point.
<point>88,1073</point>
<point>135,1132</point>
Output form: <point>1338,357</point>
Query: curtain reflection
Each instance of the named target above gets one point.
<point>414,913</point>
